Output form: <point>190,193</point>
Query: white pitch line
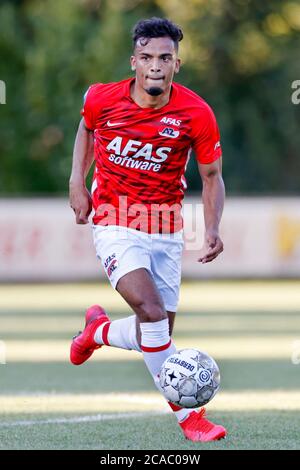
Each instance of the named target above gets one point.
<point>82,419</point>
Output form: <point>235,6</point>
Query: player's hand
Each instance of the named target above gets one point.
<point>81,203</point>
<point>212,247</point>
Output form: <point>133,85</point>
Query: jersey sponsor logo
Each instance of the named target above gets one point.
<point>169,132</point>
<point>136,149</point>
<point>171,121</point>
<point>129,162</point>
<point>112,124</point>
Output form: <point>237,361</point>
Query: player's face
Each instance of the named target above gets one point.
<point>155,61</point>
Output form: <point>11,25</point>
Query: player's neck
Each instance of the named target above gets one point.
<point>144,100</point>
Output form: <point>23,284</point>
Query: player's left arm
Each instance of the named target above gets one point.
<point>213,196</point>
<point>83,157</point>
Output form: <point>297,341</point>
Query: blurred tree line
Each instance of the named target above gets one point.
<point>240,55</point>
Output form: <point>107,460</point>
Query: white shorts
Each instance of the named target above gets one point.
<point>122,250</point>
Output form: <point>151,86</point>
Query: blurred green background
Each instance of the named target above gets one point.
<point>240,55</point>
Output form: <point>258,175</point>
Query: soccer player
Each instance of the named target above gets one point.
<point>140,132</point>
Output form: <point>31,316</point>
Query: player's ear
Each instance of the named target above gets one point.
<point>177,66</point>
<point>132,62</point>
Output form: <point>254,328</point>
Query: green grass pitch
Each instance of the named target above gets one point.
<point>252,329</point>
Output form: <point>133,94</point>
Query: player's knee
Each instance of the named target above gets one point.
<point>152,312</point>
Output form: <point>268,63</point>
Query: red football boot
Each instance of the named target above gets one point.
<point>197,428</point>
<point>83,344</point>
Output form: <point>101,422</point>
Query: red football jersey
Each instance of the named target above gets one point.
<point>141,154</point>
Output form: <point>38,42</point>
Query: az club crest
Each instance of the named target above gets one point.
<point>169,132</point>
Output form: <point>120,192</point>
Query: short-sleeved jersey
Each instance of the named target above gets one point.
<point>141,154</point>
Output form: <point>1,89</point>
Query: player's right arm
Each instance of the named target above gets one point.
<point>83,157</point>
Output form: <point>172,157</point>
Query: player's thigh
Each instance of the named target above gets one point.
<point>166,269</point>
<point>140,292</point>
<point>121,251</point>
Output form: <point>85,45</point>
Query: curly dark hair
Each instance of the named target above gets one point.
<point>156,28</point>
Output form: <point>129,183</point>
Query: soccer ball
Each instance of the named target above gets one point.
<point>189,378</point>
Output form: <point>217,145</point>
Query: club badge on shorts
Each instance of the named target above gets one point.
<point>110,264</point>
